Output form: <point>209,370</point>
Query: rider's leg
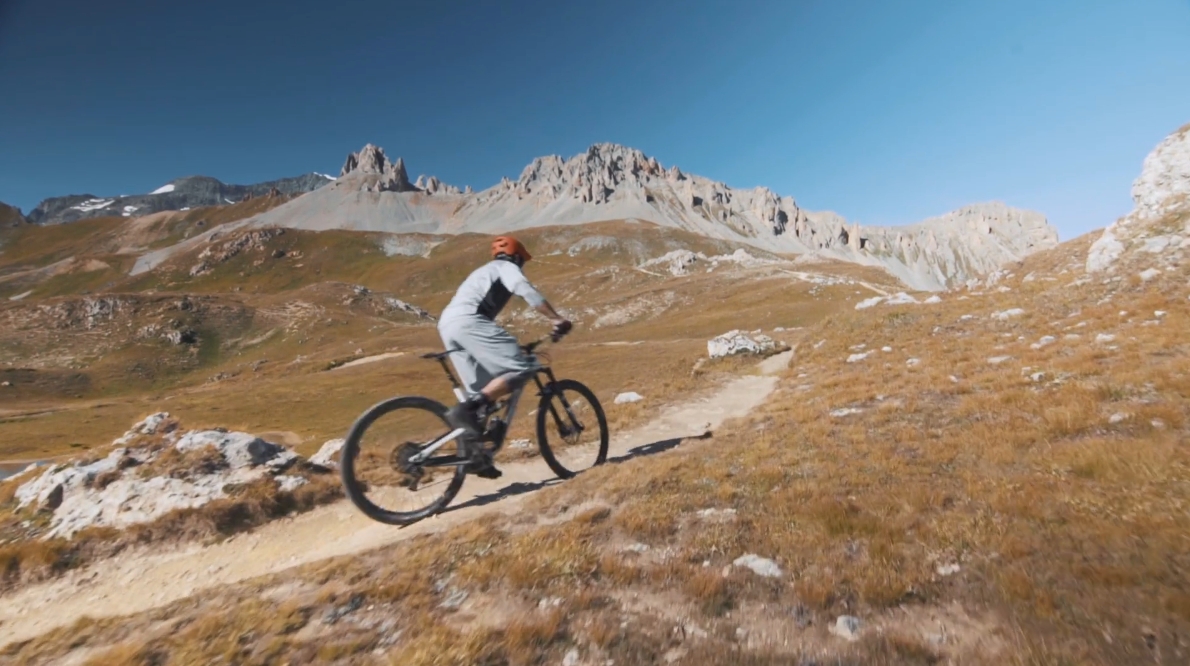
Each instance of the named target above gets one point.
<point>499,357</point>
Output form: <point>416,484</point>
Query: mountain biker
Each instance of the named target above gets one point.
<point>490,364</point>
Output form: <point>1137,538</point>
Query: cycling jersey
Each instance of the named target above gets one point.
<point>488,289</point>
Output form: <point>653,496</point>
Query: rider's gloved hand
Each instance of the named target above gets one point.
<point>561,328</point>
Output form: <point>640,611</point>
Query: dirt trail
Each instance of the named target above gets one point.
<point>146,579</point>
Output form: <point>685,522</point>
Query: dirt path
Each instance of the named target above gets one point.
<point>144,579</point>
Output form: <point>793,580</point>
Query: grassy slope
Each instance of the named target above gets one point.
<point>269,327</point>
<point>1068,529</point>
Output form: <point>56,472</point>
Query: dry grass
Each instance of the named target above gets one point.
<point>268,332</point>
<point>1062,499</point>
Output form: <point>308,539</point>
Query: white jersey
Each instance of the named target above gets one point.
<point>488,289</point>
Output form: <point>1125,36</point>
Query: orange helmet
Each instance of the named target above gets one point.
<point>510,246</point>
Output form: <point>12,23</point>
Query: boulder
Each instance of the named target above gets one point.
<point>328,455</point>
<point>738,342</point>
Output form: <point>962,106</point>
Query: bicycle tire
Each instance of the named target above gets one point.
<point>351,448</point>
<point>543,410</point>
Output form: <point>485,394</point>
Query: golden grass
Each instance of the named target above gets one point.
<point>1067,525</point>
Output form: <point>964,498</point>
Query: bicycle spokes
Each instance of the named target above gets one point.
<point>389,464</point>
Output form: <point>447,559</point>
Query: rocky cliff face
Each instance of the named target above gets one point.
<point>1157,231</point>
<point>370,171</point>
<point>189,192</point>
<point>610,182</point>
<point>1164,181</point>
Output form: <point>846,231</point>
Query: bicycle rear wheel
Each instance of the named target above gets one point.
<point>378,475</point>
<point>571,417</point>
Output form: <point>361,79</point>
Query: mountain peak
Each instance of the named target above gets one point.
<point>371,164</point>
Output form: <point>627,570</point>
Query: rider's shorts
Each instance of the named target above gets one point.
<point>489,352</point>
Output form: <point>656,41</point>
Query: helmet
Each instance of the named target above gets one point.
<point>507,245</point>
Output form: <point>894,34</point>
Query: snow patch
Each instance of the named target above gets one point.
<point>93,204</point>
<point>164,189</point>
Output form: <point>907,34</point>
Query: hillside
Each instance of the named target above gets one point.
<point>991,474</point>
<point>963,481</point>
<point>10,217</point>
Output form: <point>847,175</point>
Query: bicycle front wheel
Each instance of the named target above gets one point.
<point>571,428</point>
<point>380,474</point>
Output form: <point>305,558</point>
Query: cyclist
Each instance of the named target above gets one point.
<point>490,363</point>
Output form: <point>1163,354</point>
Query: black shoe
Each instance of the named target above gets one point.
<point>481,466</point>
<point>488,472</point>
<point>465,415</point>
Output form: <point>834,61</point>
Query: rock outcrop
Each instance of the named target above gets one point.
<point>371,161</point>
<point>1157,231</point>
<point>611,182</point>
<point>154,469</point>
<point>369,170</point>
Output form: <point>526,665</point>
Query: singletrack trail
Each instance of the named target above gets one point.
<point>147,578</point>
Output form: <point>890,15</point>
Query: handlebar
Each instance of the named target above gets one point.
<point>529,347</point>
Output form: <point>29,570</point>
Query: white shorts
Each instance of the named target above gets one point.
<point>488,352</point>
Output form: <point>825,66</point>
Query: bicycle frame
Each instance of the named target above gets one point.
<point>505,419</point>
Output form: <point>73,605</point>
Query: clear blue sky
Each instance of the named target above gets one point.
<point>886,112</point>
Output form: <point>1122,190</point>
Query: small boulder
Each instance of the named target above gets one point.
<point>900,298</point>
<point>761,566</point>
<point>1005,315</point>
<point>847,627</point>
<point>328,455</point>
<point>738,342</point>
<point>948,569</point>
<point>629,397</point>
<point>1045,341</point>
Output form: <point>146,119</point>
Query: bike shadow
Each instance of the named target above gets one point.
<point>522,488</point>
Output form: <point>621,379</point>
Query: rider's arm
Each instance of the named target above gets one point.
<point>550,313</point>
<point>516,282</point>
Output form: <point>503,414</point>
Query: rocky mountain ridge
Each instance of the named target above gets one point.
<point>179,194</point>
<point>1157,231</point>
<point>610,182</point>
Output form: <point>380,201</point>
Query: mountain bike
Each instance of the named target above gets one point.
<point>402,450</point>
